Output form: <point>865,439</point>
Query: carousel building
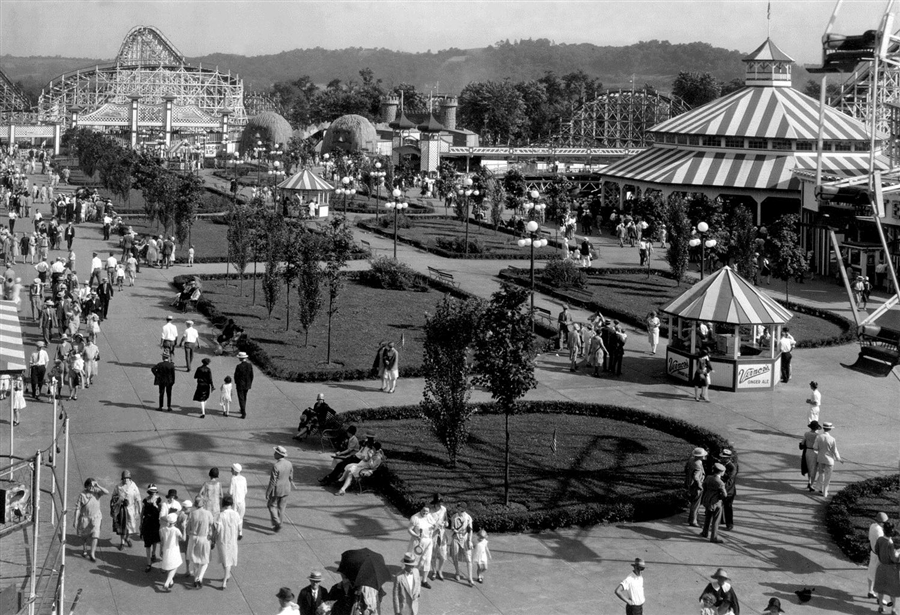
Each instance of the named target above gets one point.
<point>150,93</point>
<point>746,146</point>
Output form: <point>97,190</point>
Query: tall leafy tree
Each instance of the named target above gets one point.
<point>311,251</point>
<point>450,333</point>
<point>504,356</point>
<point>678,236</point>
<point>240,238</point>
<point>696,88</point>
<point>515,188</point>
<point>787,258</point>
<point>494,109</point>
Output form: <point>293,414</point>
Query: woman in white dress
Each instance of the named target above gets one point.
<point>228,524</point>
<point>815,402</point>
<point>171,552</point>
<point>18,397</point>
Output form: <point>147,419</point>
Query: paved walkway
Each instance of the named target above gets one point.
<point>778,545</point>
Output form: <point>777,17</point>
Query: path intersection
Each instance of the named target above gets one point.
<point>779,543</point>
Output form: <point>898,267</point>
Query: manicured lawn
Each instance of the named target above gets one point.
<point>209,239</point>
<point>429,231</point>
<point>366,315</point>
<point>597,460</point>
<point>852,510</point>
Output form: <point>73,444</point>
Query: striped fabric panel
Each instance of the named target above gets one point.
<point>12,350</point>
<point>765,112</point>
<point>842,164</point>
<point>726,297</point>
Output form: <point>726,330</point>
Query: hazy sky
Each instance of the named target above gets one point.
<point>95,28</point>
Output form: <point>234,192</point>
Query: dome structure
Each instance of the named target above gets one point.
<point>350,133</point>
<point>271,127</point>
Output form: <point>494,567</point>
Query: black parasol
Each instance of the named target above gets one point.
<point>364,567</point>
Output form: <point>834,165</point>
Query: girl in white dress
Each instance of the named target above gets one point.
<point>171,553</point>
<point>815,402</point>
<point>18,397</point>
<point>225,398</point>
<point>481,554</point>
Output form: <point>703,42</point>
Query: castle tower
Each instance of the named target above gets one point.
<point>448,112</point>
<point>389,109</point>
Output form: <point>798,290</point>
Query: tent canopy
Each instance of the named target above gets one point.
<point>306,180</point>
<point>12,350</point>
<point>726,297</point>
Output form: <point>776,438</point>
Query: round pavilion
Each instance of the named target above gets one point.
<point>739,326</point>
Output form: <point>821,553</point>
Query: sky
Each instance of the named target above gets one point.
<point>95,28</point>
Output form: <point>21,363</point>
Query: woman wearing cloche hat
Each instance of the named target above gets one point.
<point>170,551</point>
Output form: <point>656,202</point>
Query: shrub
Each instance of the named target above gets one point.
<point>848,515</point>
<point>612,510</point>
<point>561,273</point>
<point>387,273</point>
<point>387,221</point>
<point>458,244</point>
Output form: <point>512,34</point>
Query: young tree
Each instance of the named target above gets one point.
<point>787,258</point>
<point>679,235</point>
<point>239,238</point>
<point>303,268</point>
<point>189,192</point>
<point>504,355</point>
<point>741,246</point>
<point>338,242</point>
<point>449,334</point>
<point>515,188</point>
<point>272,227</point>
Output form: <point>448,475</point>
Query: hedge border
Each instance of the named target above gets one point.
<point>363,224</point>
<point>651,506</point>
<point>261,358</point>
<point>838,520</point>
<point>511,274</point>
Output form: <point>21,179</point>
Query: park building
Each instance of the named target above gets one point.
<point>758,147</point>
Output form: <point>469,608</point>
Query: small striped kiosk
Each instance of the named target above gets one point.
<point>310,191</point>
<point>737,323</point>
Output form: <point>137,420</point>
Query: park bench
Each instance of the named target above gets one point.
<point>544,317</point>
<point>443,277</point>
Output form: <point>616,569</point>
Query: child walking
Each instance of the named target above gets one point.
<point>482,554</point>
<point>120,276</point>
<point>18,397</point>
<point>170,550</point>
<point>225,399</point>
<point>190,262</point>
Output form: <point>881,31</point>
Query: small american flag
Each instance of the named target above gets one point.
<point>553,442</point>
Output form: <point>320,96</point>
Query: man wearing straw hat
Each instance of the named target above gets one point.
<point>631,590</point>
<point>281,481</point>
<point>407,587</point>
<point>311,596</point>
<point>826,454</point>
<point>243,381</point>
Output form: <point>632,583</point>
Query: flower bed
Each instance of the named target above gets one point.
<point>852,510</point>
<point>611,464</point>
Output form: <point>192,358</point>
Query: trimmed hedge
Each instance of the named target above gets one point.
<point>614,510</point>
<point>580,298</point>
<point>848,520</point>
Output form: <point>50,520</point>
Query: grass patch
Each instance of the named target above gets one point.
<point>209,239</point>
<point>611,464</point>
<point>366,316</point>
<point>629,295</point>
<point>852,510</point>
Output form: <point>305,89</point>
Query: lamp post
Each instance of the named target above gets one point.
<point>346,190</point>
<point>378,174</point>
<point>533,209</point>
<point>702,228</point>
<point>397,204</point>
<point>259,149</point>
<point>533,241</point>
<point>467,191</point>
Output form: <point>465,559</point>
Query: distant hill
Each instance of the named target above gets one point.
<point>650,62</point>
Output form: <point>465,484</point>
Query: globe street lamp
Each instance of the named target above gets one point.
<point>532,208</point>
<point>702,228</point>
<point>378,175</point>
<point>397,204</point>
<point>467,191</point>
<point>533,241</point>
<point>346,190</point>
<point>259,149</point>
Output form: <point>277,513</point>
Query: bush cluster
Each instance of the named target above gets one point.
<point>458,244</point>
<point>621,509</point>
<point>561,273</point>
<point>847,519</point>
<point>389,274</point>
<point>387,221</point>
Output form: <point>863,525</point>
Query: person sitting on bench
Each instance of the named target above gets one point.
<point>314,418</point>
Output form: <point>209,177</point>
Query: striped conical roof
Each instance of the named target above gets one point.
<point>726,297</point>
<point>765,113</point>
<point>306,180</point>
<point>12,350</point>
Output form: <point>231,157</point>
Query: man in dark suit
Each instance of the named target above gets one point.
<point>243,381</point>
<point>343,596</point>
<point>312,595</point>
<point>729,478</point>
<point>104,294</point>
<point>164,378</point>
<point>281,481</point>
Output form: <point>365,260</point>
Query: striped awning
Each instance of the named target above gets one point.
<point>306,180</point>
<point>12,350</point>
<point>726,297</point>
<point>736,170</point>
<point>765,113</point>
